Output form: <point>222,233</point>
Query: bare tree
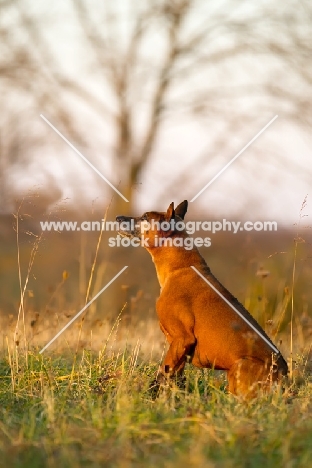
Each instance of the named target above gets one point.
<point>159,60</point>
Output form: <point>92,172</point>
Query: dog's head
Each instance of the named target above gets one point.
<point>152,224</point>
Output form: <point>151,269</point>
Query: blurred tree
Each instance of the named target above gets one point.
<point>137,65</point>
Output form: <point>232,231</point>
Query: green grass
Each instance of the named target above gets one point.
<point>55,413</point>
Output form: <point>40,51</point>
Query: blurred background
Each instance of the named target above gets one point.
<point>159,95</point>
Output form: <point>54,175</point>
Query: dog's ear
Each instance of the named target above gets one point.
<point>170,212</point>
<point>181,209</point>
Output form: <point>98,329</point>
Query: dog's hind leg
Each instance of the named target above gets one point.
<point>248,375</point>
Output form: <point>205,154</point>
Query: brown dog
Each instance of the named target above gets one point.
<point>202,321</point>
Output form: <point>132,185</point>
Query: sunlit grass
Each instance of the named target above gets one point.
<point>101,413</point>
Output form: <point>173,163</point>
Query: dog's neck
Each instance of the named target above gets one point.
<point>180,260</point>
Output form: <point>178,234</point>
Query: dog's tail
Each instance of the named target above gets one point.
<point>281,365</point>
<point>281,368</point>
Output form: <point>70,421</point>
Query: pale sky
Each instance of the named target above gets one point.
<point>268,181</point>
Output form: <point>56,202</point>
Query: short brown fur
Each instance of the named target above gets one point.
<point>198,324</point>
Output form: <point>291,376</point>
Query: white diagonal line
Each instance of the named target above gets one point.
<point>82,310</point>
<point>83,157</point>
<point>235,157</point>
<point>276,351</point>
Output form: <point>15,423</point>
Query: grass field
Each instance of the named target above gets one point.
<point>95,409</point>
